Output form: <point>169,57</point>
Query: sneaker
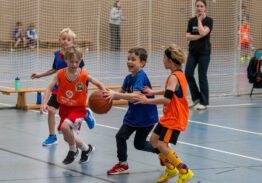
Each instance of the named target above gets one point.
<point>118,169</point>
<point>71,156</point>
<point>194,103</point>
<point>89,118</point>
<point>200,107</point>
<point>85,154</point>
<point>51,139</point>
<point>184,178</point>
<point>168,175</point>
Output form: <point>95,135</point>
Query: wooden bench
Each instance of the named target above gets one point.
<point>21,95</point>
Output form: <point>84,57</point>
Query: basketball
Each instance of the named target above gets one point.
<point>98,103</point>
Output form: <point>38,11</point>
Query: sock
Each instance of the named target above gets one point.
<point>182,168</point>
<point>84,147</point>
<point>72,147</point>
<point>123,162</point>
<point>167,163</point>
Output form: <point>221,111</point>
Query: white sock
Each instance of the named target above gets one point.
<point>72,147</point>
<point>84,147</point>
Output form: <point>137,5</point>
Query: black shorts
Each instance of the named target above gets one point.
<point>53,102</point>
<point>166,135</point>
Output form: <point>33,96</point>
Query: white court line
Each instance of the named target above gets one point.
<point>225,127</point>
<point>221,151</point>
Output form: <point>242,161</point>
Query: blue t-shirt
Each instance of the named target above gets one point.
<point>139,115</point>
<point>59,63</point>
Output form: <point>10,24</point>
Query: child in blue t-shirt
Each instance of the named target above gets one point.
<point>66,40</point>
<point>139,118</point>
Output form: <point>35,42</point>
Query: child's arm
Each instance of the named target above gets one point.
<point>47,95</point>
<point>95,82</point>
<point>149,92</point>
<point>42,74</point>
<point>172,83</point>
<point>120,95</point>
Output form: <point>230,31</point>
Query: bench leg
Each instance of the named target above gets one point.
<point>21,101</point>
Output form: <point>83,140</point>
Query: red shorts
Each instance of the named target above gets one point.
<point>72,115</point>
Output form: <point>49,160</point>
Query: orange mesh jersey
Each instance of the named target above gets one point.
<point>176,112</point>
<point>244,31</point>
<point>72,93</point>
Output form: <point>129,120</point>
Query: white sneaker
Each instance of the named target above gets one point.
<point>200,107</point>
<point>194,103</point>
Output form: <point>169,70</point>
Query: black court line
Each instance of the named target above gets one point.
<point>53,164</point>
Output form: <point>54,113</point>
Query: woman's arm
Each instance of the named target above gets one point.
<point>191,37</point>
<point>203,30</point>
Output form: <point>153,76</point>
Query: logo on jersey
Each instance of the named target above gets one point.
<point>79,86</point>
<point>69,94</point>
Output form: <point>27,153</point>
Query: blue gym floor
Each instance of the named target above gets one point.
<point>221,145</point>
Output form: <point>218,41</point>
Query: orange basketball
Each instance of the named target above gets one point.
<point>98,103</point>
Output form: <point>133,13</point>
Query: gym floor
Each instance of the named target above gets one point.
<point>221,145</point>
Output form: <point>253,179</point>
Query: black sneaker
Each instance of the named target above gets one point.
<point>85,154</point>
<point>71,156</point>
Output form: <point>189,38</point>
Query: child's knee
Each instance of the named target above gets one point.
<point>51,110</point>
<point>65,127</point>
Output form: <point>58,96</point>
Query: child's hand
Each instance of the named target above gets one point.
<point>148,91</point>
<point>43,108</point>
<point>35,75</point>
<point>109,95</point>
<point>139,98</point>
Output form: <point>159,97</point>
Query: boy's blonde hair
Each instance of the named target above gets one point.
<point>72,52</point>
<point>69,32</point>
<point>177,54</point>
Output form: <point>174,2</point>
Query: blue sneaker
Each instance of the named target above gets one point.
<point>51,139</point>
<point>89,118</point>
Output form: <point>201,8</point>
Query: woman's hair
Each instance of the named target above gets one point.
<point>69,32</point>
<point>203,1</point>
<point>73,51</point>
<point>176,54</point>
<point>115,3</point>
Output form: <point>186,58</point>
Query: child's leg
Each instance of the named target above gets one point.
<point>68,136</point>
<point>17,42</point>
<point>121,137</point>
<point>170,170</point>
<point>140,141</point>
<point>51,120</point>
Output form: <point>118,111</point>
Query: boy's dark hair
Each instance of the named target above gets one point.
<point>141,52</point>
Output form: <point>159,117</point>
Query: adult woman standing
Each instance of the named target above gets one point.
<point>115,22</point>
<point>198,35</point>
